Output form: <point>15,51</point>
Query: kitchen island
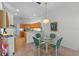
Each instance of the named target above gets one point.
<point>10,41</point>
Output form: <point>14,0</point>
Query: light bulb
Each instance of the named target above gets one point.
<point>17,10</point>
<point>46,21</point>
<point>21,29</point>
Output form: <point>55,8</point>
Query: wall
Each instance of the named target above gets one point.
<point>29,37</point>
<point>0,6</point>
<point>26,21</point>
<point>68,17</point>
<point>18,21</point>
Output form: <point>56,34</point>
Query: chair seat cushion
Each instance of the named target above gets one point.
<point>52,45</point>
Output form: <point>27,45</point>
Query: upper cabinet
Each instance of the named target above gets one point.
<point>1,17</point>
<point>4,20</point>
<point>31,26</point>
<point>7,20</point>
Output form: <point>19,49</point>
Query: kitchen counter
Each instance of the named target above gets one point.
<point>6,35</point>
<point>10,41</point>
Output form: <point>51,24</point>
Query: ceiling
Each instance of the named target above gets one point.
<point>30,9</point>
<point>33,10</point>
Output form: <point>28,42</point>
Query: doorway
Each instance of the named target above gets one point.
<point>21,39</point>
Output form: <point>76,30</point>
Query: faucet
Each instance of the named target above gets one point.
<point>4,31</point>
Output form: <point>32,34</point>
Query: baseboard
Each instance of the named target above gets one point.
<point>30,43</point>
<point>69,48</point>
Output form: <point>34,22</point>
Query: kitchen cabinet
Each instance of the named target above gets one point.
<point>31,26</point>
<point>4,20</point>
<point>10,41</point>
<point>7,20</point>
<point>1,17</point>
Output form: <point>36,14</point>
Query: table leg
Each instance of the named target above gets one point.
<point>46,47</point>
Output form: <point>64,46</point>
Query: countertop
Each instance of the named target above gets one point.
<point>6,35</point>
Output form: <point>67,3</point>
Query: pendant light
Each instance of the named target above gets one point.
<point>46,20</point>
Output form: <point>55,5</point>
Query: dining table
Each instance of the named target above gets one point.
<point>47,41</point>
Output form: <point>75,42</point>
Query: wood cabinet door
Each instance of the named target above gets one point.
<point>4,15</point>
<point>1,18</point>
<point>7,20</point>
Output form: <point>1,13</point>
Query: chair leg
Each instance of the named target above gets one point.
<point>34,51</point>
<point>38,51</point>
<point>56,51</point>
<point>60,50</point>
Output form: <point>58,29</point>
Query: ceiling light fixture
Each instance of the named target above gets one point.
<point>46,20</point>
<point>21,29</point>
<point>17,10</point>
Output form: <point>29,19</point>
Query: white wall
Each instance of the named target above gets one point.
<point>20,21</point>
<point>29,37</point>
<point>26,21</point>
<point>68,18</point>
<point>0,6</point>
<point>34,20</point>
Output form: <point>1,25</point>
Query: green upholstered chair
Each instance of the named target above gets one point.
<point>57,45</point>
<point>52,36</point>
<point>38,35</point>
<point>38,43</point>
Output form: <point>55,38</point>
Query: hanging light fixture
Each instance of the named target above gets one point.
<point>46,20</point>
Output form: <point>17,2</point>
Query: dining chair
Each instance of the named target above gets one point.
<point>38,44</point>
<point>52,36</point>
<point>57,45</point>
<point>38,35</point>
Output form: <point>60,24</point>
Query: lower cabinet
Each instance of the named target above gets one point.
<point>10,42</point>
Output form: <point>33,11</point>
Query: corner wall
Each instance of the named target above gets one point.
<point>68,17</point>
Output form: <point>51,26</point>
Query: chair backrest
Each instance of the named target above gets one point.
<point>36,41</point>
<point>38,35</point>
<point>52,35</point>
<point>59,42</point>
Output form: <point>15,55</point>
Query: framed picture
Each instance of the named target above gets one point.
<point>53,26</point>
